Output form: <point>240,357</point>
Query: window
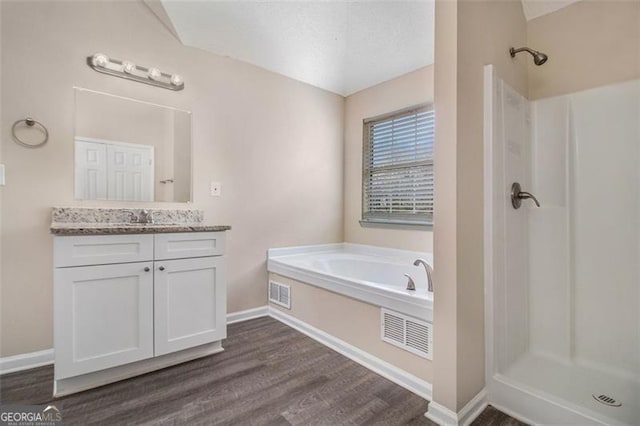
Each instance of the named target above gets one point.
<point>398,167</point>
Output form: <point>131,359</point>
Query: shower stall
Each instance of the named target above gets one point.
<point>562,280</point>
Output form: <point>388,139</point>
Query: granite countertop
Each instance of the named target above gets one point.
<point>127,228</point>
<point>113,221</point>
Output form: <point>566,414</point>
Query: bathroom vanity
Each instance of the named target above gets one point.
<point>130,297</point>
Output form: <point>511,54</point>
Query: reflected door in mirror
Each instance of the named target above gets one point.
<point>107,170</point>
<point>129,150</point>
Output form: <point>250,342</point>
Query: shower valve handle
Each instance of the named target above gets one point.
<point>523,195</point>
<point>517,195</point>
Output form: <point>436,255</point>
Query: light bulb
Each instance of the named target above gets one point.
<point>128,67</point>
<point>100,60</point>
<point>176,80</point>
<point>154,74</point>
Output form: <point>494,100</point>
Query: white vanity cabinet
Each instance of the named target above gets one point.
<point>128,304</point>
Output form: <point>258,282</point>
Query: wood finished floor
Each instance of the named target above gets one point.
<point>269,374</point>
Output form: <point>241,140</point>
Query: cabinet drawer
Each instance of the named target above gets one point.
<point>191,244</point>
<point>101,249</point>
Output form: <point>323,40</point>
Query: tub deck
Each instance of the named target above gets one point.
<point>370,274</point>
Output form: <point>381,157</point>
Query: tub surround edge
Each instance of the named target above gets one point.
<point>351,289</point>
<point>351,248</point>
<point>418,304</point>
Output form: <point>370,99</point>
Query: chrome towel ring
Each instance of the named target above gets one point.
<point>30,122</point>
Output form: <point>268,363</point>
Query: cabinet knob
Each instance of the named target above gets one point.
<point>146,269</point>
<point>161,268</point>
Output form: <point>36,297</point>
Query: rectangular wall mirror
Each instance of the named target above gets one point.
<point>128,150</point>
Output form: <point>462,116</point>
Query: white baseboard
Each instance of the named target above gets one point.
<point>473,408</point>
<point>247,315</point>
<point>383,368</point>
<point>443,416</point>
<point>11,364</point>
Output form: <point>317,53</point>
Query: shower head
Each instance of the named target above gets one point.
<point>539,58</point>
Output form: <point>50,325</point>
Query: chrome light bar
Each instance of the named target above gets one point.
<point>126,69</point>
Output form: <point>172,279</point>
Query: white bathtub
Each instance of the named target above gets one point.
<point>371,274</point>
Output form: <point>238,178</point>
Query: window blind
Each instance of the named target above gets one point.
<point>398,167</point>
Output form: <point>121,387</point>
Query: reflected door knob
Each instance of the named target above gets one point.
<point>517,195</point>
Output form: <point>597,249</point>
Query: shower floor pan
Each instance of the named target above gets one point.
<point>577,386</point>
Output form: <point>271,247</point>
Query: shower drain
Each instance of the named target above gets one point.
<point>607,400</point>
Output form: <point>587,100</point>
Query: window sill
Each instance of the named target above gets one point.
<point>392,224</point>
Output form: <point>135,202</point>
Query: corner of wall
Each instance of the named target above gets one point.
<point>469,35</point>
<point>486,30</point>
<point>445,235</point>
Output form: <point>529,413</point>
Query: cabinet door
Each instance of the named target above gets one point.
<point>190,303</point>
<point>103,317</point>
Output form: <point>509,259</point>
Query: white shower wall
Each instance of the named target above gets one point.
<point>510,156</point>
<point>584,242</point>
<point>563,280</point>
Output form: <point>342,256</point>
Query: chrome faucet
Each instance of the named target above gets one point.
<point>146,216</point>
<point>429,270</point>
<point>411,285</point>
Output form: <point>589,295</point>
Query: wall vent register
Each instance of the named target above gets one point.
<point>280,294</point>
<point>408,333</point>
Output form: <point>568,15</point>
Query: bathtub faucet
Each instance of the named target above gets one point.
<point>429,270</point>
<point>410,285</point>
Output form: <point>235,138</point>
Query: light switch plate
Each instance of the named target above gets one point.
<point>2,181</point>
<point>216,189</point>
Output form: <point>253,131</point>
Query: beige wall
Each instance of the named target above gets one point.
<point>589,43</point>
<point>353,321</point>
<point>407,90</point>
<point>282,183</point>
<point>445,327</point>
<point>469,35</point>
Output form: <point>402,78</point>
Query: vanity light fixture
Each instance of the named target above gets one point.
<point>155,74</point>
<point>126,69</point>
<point>176,80</point>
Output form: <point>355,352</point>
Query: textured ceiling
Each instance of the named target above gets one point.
<point>340,46</point>
<point>536,8</point>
